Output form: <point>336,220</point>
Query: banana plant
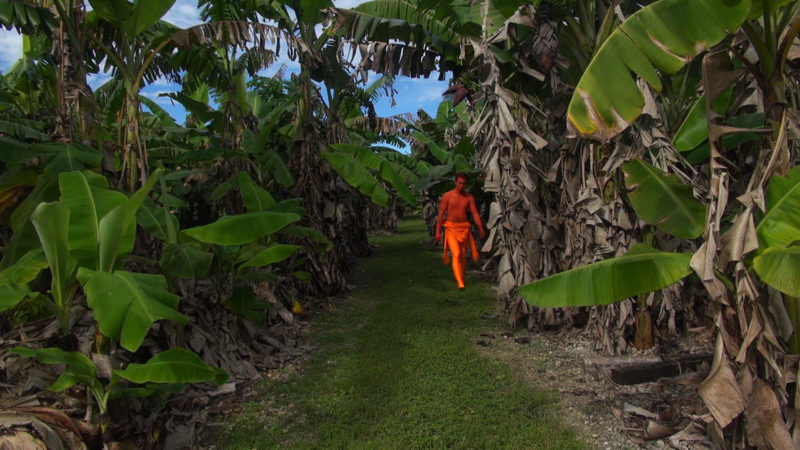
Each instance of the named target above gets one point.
<point>131,52</point>
<point>607,99</point>
<point>354,163</point>
<point>661,39</point>
<point>244,244</point>
<point>83,236</point>
<point>644,269</point>
<point>164,373</point>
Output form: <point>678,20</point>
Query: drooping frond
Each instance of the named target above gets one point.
<point>254,60</point>
<point>229,10</point>
<point>385,83</point>
<point>242,35</point>
<point>27,17</point>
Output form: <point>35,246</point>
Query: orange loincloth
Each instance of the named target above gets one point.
<point>457,236</point>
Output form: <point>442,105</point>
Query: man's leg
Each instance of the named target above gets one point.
<point>459,254</point>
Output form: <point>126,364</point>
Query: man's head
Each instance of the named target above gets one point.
<point>461,181</point>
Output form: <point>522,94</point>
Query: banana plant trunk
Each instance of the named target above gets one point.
<point>134,153</point>
<point>333,207</point>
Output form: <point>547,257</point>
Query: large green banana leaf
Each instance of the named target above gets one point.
<point>121,221</point>
<point>25,270</point>
<point>242,228</point>
<point>357,175</point>
<point>662,200</point>
<point>387,169</point>
<point>153,219</point>
<point>88,198</point>
<point>780,225</point>
<point>405,21</point>
<point>78,367</point>
<point>51,221</point>
<point>660,38</point>
<point>254,197</point>
<point>780,268</point>
<point>694,129</point>
<point>176,365</point>
<point>126,304</point>
<point>643,269</point>
<point>27,17</point>
<point>131,18</point>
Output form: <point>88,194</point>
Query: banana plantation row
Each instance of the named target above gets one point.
<point>636,163</point>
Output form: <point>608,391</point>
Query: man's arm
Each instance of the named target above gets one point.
<point>440,218</point>
<point>475,216</point>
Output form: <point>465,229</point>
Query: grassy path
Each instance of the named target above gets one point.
<point>397,368</point>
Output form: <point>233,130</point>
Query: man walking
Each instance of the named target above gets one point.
<point>457,235</point>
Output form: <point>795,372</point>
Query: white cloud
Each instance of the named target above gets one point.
<point>347,4</point>
<point>183,14</point>
<point>10,49</point>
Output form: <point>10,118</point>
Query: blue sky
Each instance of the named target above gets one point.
<point>413,94</point>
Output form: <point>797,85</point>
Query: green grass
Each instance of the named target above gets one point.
<point>396,367</point>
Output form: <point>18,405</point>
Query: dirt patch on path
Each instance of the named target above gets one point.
<point>608,415</point>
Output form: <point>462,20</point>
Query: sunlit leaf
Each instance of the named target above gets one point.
<point>660,38</point>
<point>25,270</point>
<point>144,15</point>
<point>357,175</point>
<point>643,269</point>
<point>52,222</point>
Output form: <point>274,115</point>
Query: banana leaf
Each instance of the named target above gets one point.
<point>126,304</point>
<point>255,198</point>
<point>25,270</point>
<point>52,221</point>
<point>662,200</point>
<point>119,222</point>
<point>176,365</point>
<point>273,254</point>
<point>153,219</point>
<point>780,268</point>
<point>694,129</point>
<point>144,15</point>
<point>780,225</point>
<point>357,175</point>
<point>14,279</point>
<point>242,228</point>
<point>643,269</point>
<point>386,169</point>
<point>79,368</point>
<point>88,199</point>
<point>660,38</point>
<point>185,260</point>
